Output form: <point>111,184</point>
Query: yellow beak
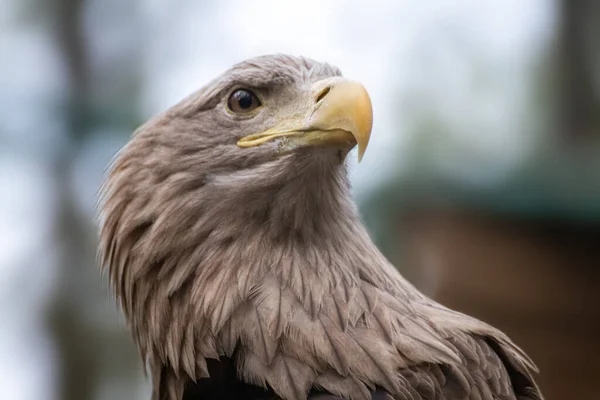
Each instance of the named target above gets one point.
<point>341,115</point>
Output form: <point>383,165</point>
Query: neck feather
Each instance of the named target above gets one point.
<point>215,244</point>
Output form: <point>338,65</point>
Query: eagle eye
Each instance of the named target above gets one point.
<point>243,101</point>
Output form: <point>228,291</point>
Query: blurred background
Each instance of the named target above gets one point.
<point>481,183</point>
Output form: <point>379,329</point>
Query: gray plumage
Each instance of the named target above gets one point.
<point>258,255</point>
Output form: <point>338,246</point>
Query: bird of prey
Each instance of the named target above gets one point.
<point>243,269</point>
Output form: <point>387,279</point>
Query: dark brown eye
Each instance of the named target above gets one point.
<point>242,101</point>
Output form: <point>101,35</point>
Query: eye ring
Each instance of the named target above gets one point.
<point>242,101</point>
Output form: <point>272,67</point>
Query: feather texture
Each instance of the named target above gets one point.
<point>217,252</point>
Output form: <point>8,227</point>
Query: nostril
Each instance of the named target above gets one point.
<point>323,93</point>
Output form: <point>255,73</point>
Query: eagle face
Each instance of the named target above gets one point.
<point>255,146</point>
<point>261,110</point>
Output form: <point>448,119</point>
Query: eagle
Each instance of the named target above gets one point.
<point>238,257</point>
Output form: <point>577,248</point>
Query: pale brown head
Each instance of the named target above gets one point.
<point>262,124</point>
<point>258,136</point>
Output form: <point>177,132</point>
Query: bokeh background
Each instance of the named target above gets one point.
<point>481,183</point>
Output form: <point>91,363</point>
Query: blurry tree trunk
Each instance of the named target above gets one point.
<point>82,342</point>
<point>578,48</point>
<point>73,337</point>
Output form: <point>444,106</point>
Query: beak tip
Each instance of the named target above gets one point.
<point>361,153</point>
